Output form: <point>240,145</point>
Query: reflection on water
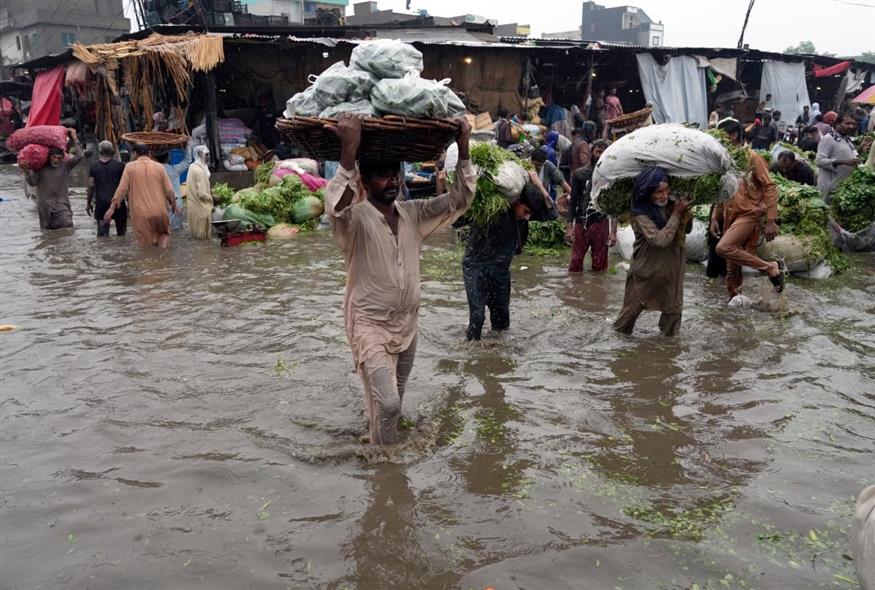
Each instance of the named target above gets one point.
<point>189,418</point>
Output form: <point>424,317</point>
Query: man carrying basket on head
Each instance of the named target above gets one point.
<point>381,238</point>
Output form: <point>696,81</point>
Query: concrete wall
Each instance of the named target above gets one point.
<point>30,29</point>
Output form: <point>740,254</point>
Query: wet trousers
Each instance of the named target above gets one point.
<point>54,215</point>
<point>385,379</point>
<point>487,285</point>
<point>669,322</point>
<point>740,239</point>
<point>594,237</point>
<point>120,217</point>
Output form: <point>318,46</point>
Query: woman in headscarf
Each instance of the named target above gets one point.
<point>815,110</point>
<point>200,196</point>
<point>656,278</point>
<point>551,146</point>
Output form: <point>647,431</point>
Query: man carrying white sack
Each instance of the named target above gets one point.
<point>380,238</point>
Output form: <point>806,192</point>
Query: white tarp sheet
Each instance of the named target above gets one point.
<point>786,83</point>
<point>676,90</point>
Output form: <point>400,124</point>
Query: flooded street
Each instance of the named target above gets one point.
<point>190,419</point>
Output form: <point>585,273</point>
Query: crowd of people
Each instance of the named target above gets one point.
<point>147,190</point>
<point>380,231</point>
<point>828,135</point>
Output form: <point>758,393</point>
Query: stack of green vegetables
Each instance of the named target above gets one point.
<point>616,199</point>
<point>803,213</point>
<point>853,202</point>
<point>489,202</point>
<point>546,237</point>
<point>288,202</point>
<point>222,194</point>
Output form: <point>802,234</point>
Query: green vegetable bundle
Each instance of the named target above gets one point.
<point>853,202</point>
<point>546,237</point>
<point>263,172</point>
<point>803,213</point>
<point>489,202</point>
<point>285,202</point>
<point>222,194</point>
<point>739,154</point>
<point>617,198</point>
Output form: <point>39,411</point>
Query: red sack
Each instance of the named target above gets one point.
<point>51,136</point>
<point>35,155</point>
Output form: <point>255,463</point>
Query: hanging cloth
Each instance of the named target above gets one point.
<point>47,93</point>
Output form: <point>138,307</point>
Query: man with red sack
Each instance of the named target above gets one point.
<point>52,184</point>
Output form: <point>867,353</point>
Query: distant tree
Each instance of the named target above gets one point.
<point>806,47</point>
<point>803,47</point>
<point>866,56</point>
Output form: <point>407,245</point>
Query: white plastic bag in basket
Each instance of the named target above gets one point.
<point>303,104</point>
<point>361,107</point>
<point>412,96</point>
<point>386,58</point>
<point>340,84</point>
<point>678,149</point>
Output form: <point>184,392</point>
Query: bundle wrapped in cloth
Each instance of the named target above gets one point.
<point>698,163</point>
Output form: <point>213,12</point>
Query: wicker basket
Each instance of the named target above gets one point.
<point>157,141</point>
<point>390,138</point>
<point>629,121</point>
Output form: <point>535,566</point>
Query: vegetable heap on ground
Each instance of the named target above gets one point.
<point>546,237</point>
<point>488,201</point>
<point>222,194</point>
<point>290,201</point>
<point>616,199</point>
<point>853,202</point>
<point>803,213</point>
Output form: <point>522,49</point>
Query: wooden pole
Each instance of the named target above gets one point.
<point>528,85</point>
<point>590,61</point>
<point>212,121</point>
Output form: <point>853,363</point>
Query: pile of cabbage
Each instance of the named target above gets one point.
<point>286,204</point>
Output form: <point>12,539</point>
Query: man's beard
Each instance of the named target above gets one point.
<point>387,197</point>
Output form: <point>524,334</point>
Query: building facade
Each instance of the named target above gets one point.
<point>30,29</point>
<point>623,24</point>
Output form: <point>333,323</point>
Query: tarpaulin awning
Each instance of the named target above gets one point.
<point>823,72</point>
<point>865,97</point>
<point>676,89</point>
<point>785,82</point>
<point>47,93</point>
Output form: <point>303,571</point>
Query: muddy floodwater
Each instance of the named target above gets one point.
<point>190,419</point>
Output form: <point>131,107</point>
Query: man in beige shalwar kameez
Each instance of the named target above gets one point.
<point>149,191</point>
<point>381,240</point>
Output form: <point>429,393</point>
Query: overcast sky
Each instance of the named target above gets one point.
<point>844,27</point>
